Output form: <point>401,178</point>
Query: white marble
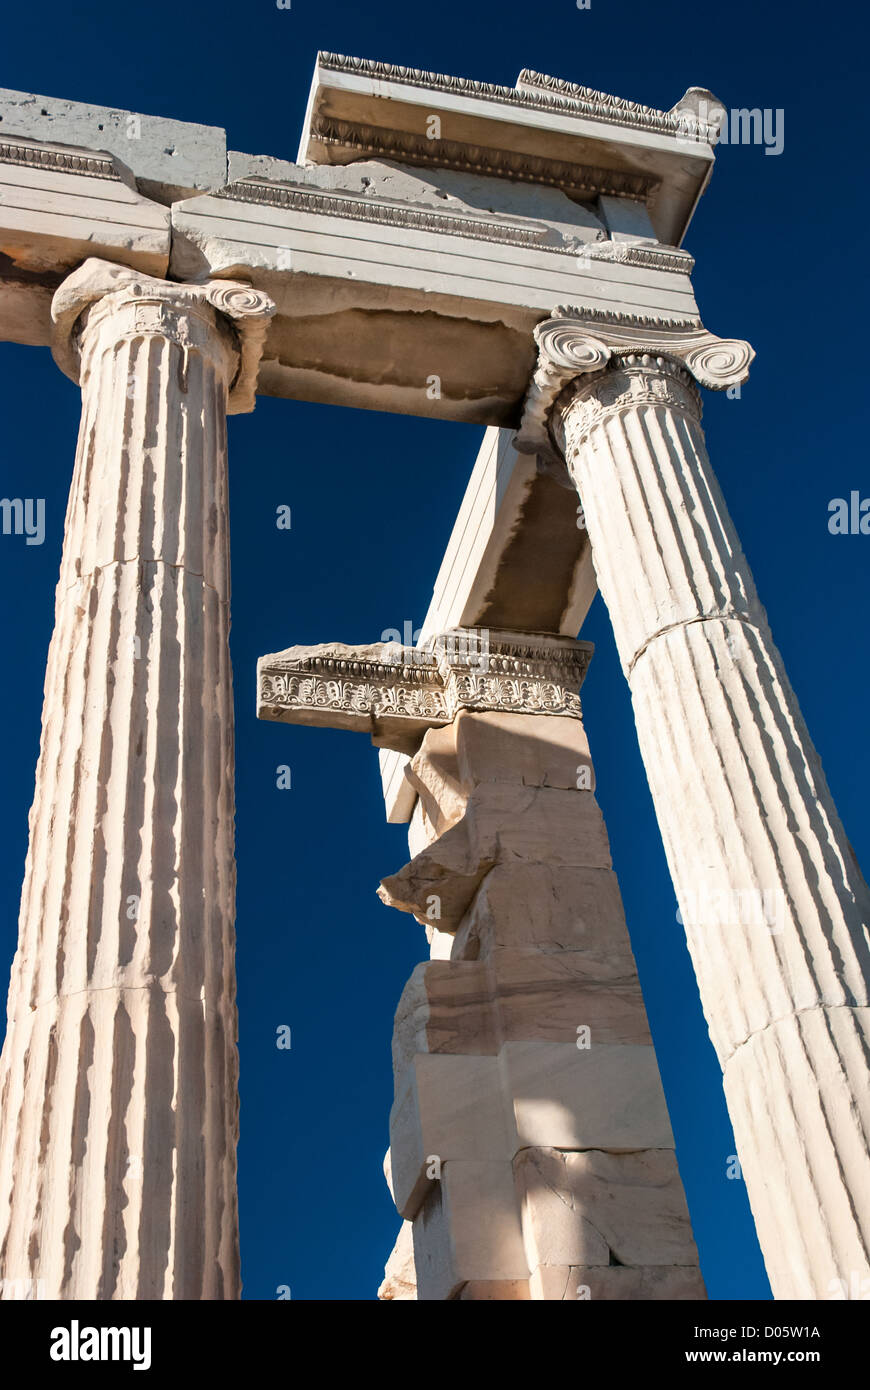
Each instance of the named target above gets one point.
<point>118,1073</point>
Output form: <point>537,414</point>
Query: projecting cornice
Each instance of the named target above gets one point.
<point>542,131</point>
<point>576,341</point>
<point>396,693</point>
<point>533,90</point>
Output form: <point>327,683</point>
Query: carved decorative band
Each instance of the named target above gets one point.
<point>385,686</point>
<point>371,209</point>
<point>362,209</point>
<point>407,148</point>
<point>384,663</point>
<point>551,93</point>
<point>612,321</point>
<point>188,322</point>
<point>513,696</point>
<point>650,257</point>
<point>625,112</point>
<point>354,696</point>
<point>59,161</point>
<point>630,382</point>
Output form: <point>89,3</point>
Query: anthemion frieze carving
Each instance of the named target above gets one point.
<point>401,691</point>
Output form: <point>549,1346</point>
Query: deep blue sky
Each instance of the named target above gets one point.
<point>780,245</point>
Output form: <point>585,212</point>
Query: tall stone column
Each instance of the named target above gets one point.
<point>119,1070</point>
<point>774,905</point>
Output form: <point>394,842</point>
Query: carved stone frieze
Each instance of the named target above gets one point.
<point>396,692</point>
<point>650,257</point>
<point>409,148</point>
<point>367,209</point>
<point>58,160</point>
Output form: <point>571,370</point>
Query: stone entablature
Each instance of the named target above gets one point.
<point>449,249</point>
<point>541,131</point>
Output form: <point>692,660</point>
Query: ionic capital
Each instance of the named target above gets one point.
<point>576,342</point>
<point>187,314</point>
<point>631,381</point>
<point>396,693</point>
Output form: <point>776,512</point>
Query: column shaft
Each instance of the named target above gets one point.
<point>119,1070</point>
<point>773,901</point>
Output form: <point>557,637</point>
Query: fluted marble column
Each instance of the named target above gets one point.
<point>119,1069</point>
<point>774,904</point>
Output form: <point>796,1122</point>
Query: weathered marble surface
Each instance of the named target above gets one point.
<point>775,908</point>
<point>118,1073</point>
<point>555,1161</point>
<point>409,268</point>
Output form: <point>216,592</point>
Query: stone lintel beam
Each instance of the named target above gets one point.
<point>396,693</point>
<point>168,159</point>
<point>577,340</point>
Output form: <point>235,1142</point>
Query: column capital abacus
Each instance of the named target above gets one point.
<point>159,306</point>
<point>577,342</point>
